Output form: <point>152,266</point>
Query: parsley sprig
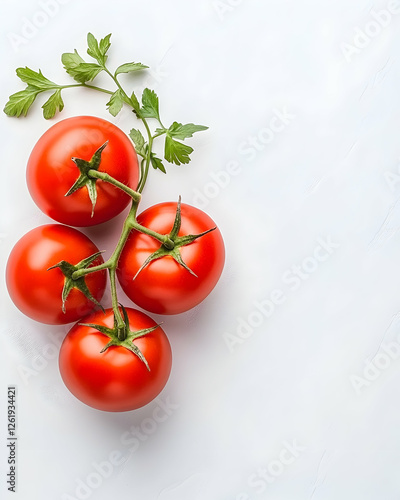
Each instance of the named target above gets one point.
<point>84,73</point>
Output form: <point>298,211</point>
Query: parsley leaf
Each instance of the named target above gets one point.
<point>20,102</point>
<point>52,104</point>
<point>184,131</point>
<point>104,45</point>
<point>129,68</point>
<point>71,61</point>
<point>96,50</point>
<point>135,103</point>
<point>150,105</point>
<point>157,163</point>
<point>176,152</point>
<point>138,141</point>
<point>86,72</point>
<point>116,102</point>
<point>35,79</point>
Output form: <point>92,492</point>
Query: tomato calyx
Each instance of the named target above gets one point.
<point>69,282</point>
<point>84,178</point>
<point>114,334</point>
<point>174,243</point>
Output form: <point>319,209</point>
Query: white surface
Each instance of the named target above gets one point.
<point>233,65</point>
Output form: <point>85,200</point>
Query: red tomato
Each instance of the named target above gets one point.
<point>36,291</point>
<point>164,286</point>
<point>51,171</point>
<point>116,379</point>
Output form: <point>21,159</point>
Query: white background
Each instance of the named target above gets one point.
<point>321,372</point>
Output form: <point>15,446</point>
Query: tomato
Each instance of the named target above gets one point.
<point>37,291</point>
<point>164,286</point>
<point>51,172</point>
<point>116,379</point>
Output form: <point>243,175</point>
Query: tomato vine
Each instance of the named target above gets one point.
<point>89,173</point>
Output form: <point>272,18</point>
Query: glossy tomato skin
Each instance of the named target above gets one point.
<point>115,380</point>
<point>164,286</point>
<point>36,291</point>
<point>51,172</point>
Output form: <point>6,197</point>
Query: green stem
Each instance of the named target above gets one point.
<point>126,229</point>
<point>141,170</point>
<point>145,173</point>
<point>143,178</point>
<point>119,320</point>
<point>87,86</point>
<point>107,178</point>
<point>111,264</point>
<point>162,238</point>
<point>130,222</point>
<point>115,79</point>
<point>159,133</point>
<point>88,270</point>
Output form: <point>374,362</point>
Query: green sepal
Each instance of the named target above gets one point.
<point>112,334</point>
<point>84,179</point>
<point>179,242</point>
<point>69,283</point>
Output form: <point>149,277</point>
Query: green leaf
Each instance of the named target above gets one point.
<point>71,61</point>
<point>176,152</point>
<point>116,102</point>
<point>85,72</point>
<point>53,104</point>
<point>104,45</point>
<point>96,50</point>
<point>129,68</point>
<point>138,141</point>
<point>20,102</point>
<point>35,79</point>
<point>180,131</point>
<point>156,163</point>
<point>93,47</point>
<point>135,103</point>
<point>150,104</point>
